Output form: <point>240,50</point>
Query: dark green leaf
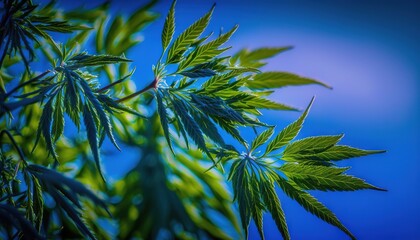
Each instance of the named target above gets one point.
<point>92,137</point>
<point>163,117</point>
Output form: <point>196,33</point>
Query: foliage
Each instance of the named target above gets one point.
<point>179,124</point>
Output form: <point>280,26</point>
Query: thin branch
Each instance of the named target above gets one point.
<point>114,83</point>
<point>145,89</point>
<point>26,83</point>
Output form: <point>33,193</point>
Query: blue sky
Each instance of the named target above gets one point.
<point>368,51</point>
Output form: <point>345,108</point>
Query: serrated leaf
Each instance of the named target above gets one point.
<point>198,73</point>
<point>288,133</point>
<point>188,37</point>
<point>324,178</point>
<point>268,80</point>
<point>253,58</point>
<point>216,107</point>
<point>312,205</point>
<point>85,60</point>
<point>272,202</point>
<point>262,138</point>
<point>206,52</point>
<point>54,178</point>
<point>12,217</point>
<point>38,200</point>
<point>72,213</point>
<point>45,127</point>
<point>190,126</point>
<point>230,128</point>
<point>92,136</point>
<point>103,117</point>
<point>311,145</point>
<point>163,118</point>
<point>340,152</point>
<point>58,119</point>
<point>251,101</point>
<point>169,27</point>
<point>208,128</point>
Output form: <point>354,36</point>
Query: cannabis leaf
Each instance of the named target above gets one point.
<point>12,217</point>
<point>21,24</point>
<point>83,97</point>
<point>254,175</point>
<point>66,193</point>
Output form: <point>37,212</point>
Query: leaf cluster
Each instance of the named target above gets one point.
<point>305,164</point>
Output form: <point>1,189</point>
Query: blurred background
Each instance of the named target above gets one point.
<point>369,52</point>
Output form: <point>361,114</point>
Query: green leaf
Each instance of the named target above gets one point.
<point>312,205</point>
<point>253,101</point>
<point>163,117</point>
<point>103,117</point>
<point>72,213</point>
<point>54,178</point>
<point>216,107</point>
<point>72,99</point>
<point>288,133</point>
<point>198,73</point>
<point>230,128</point>
<point>38,200</point>
<point>311,145</point>
<point>341,152</point>
<point>190,126</point>
<point>169,27</point>
<point>58,119</point>
<point>208,128</point>
<point>85,60</point>
<point>206,52</point>
<point>262,138</point>
<point>45,127</point>
<point>113,32</point>
<point>188,37</point>
<point>324,178</point>
<point>10,216</point>
<point>92,136</point>
<point>272,202</point>
<point>268,80</point>
<point>253,58</point>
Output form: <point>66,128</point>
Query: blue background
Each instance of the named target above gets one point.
<point>368,51</point>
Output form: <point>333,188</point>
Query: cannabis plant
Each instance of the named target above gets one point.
<point>68,91</point>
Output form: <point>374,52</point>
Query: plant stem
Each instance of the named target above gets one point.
<point>153,84</point>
